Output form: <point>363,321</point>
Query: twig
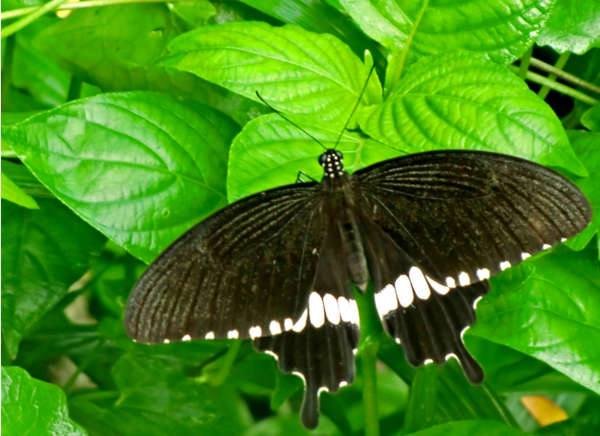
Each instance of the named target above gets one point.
<point>14,27</point>
<point>525,61</point>
<point>565,76</point>
<point>562,60</point>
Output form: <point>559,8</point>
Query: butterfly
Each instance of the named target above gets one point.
<point>428,229</point>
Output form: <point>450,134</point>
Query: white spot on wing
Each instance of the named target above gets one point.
<point>322,389</point>
<point>398,340</point>
<point>563,239</point>
<point>316,311</point>
<point>504,265</point>
<point>272,354</point>
<point>343,383</point>
<point>464,279</point>
<point>210,335</point>
<point>299,374</point>
<point>419,283</point>
<point>355,319</point>
<point>166,341</point>
<point>186,338</point>
<point>404,290</point>
<point>345,310</point>
<point>233,334</point>
<point>299,326</point>
<point>476,301</point>
<point>255,332</point>
<point>483,273</point>
<point>450,282</point>
<point>427,361</point>
<point>438,287</point>
<point>450,356</point>
<point>331,309</point>
<point>386,300</point>
<point>525,255</point>
<point>275,327</point>
<point>288,324</point>
<point>546,246</point>
<point>462,333</point>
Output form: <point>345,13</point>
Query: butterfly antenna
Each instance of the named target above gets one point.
<point>355,106</point>
<point>289,121</point>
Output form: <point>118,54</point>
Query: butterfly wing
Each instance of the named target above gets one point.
<point>267,267</point>
<point>436,221</point>
<point>244,272</point>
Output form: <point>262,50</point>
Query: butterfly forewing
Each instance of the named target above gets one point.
<point>249,266</point>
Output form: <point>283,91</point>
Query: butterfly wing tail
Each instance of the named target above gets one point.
<point>323,357</point>
<point>432,329</point>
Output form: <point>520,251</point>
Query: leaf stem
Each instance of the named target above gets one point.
<point>564,75</point>
<point>215,378</point>
<point>404,53</point>
<point>81,367</point>
<point>562,60</point>
<point>369,370</point>
<point>14,27</point>
<point>559,87</point>
<point>80,5</point>
<point>525,61</point>
<point>7,66</point>
<point>74,88</point>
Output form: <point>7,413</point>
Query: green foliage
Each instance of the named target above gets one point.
<point>128,124</point>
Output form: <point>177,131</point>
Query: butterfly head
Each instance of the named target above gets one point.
<point>332,163</point>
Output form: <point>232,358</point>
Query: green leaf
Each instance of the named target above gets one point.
<point>463,101</point>
<point>157,398</point>
<point>25,180</point>
<point>549,308</point>
<point>196,13</point>
<point>43,253</point>
<point>140,167</point>
<point>587,148</point>
<point>591,118</point>
<point>574,25</point>
<point>269,152</point>
<point>501,30</point>
<point>316,76</point>
<point>30,406</point>
<point>11,192</point>
<point>422,401</point>
<point>319,17</point>
<point>462,428</point>
<point>117,47</point>
<point>587,425</point>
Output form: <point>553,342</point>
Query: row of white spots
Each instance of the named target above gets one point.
<point>404,290</point>
<point>336,310</point>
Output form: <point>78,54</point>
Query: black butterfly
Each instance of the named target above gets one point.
<point>428,229</point>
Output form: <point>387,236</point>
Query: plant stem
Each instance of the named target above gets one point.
<point>565,76</point>
<point>215,378</point>
<point>560,64</point>
<point>404,53</point>
<point>559,87</point>
<point>7,65</point>
<point>80,5</point>
<point>81,367</point>
<point>369,370</point>
<point>74,88</point>
<point>14,27</point>
<point>525,61</point>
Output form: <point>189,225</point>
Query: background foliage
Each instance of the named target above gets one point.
<point>125,124</point>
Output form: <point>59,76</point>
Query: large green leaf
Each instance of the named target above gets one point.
<point>502,29</point>
<point>574,25</point>
<point>549,308</point>
<point>587,148</point>
<point>269,152</point>
<point>320,17</point>
<point>316,76</point>
<point>158,398</point>
<point>117,47</point>
<point>33,407</point>
<point>43,253</point>
<point>140,167</point>
<point>462,101</point>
